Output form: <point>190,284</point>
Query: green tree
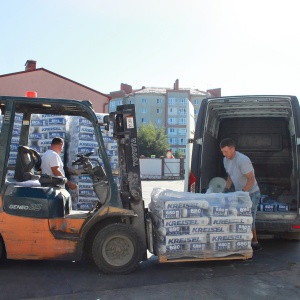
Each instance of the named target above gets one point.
<point>152,140</point>
<point>178,154</point>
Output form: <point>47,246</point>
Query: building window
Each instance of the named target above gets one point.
<point>182,121</point>
<point>144,100</point>
<point>159,101</point>
<point>172,131</point>
<point>183,101</point>
<point>172,120</point>
<point>196,112</point>
<point>181,141</point>
<point>158,110</point>
<point>172,140</point>
<point>172,110</point>
<point>172,101</point>
<point>120,102</point>
<point>112,106</point>
<point>144,110</point>
<point>144,120</point>
<point>181,131</point>
<point>159,121</point>
<point>196,101</point>
<point>182,111</point>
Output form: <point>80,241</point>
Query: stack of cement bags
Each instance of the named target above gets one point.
<point>43,128</point>
<point>81,139</point>
<point>14,145</point>
<point>201,225</point>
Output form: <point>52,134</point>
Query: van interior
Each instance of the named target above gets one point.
<point>263,128</point>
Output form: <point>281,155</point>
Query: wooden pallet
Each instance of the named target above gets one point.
<point>245,256</point>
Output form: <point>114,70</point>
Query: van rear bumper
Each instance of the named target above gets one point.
<point>277,226</point>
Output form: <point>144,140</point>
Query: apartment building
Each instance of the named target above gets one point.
<point>164,107</point>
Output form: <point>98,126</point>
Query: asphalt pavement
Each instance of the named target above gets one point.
<point>148,186</point>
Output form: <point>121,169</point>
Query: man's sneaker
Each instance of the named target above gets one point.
<point>256,246</point>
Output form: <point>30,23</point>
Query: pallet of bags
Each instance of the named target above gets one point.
<point>15,141</point>
<point>84,198</point>
<point>81,139</point>
<point>43,128</point>
<point>13,154</point>
<point>201,226</point>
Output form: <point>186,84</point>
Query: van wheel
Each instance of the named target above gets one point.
<point>116,249</point>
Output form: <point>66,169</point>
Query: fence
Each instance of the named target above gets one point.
<point>162,168</point>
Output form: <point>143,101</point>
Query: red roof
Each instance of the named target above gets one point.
<point>55,74</point>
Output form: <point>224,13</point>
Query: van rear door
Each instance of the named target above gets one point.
<point>193,178</point>
<point>190,130</point>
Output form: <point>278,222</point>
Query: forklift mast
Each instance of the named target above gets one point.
<point>125,132</point>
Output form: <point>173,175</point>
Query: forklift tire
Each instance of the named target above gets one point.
<point>116,249</point>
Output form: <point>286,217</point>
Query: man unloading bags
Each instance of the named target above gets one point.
<point>241,174</point>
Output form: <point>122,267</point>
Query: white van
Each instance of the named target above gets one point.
<point>267,130</point>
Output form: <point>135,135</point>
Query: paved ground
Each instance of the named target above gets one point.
<point>273,273</point>
<point>148,186</point>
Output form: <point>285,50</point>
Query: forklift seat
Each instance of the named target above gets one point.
<point>28,166</point>
<point>28,162</point>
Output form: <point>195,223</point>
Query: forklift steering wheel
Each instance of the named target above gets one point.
<point>81,157</point>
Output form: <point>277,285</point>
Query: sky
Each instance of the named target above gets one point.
<point>243,47</point>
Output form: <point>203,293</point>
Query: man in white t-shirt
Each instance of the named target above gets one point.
<point>52,163</point>
<point>240,173</point>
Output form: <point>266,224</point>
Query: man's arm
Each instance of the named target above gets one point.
<point>250,181</point>
<point>228,183</point>
<point>56,171</point>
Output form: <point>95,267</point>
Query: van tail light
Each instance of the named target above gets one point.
<point>192,183</point>
<point>296,226</point>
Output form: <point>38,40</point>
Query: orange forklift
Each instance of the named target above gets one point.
<point>37,222</point>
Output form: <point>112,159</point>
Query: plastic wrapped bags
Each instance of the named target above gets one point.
<point>200,225</point>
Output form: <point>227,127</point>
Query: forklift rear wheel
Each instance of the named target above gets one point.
<point>116,249</point>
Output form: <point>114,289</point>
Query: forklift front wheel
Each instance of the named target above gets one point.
<point>116,249</point>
